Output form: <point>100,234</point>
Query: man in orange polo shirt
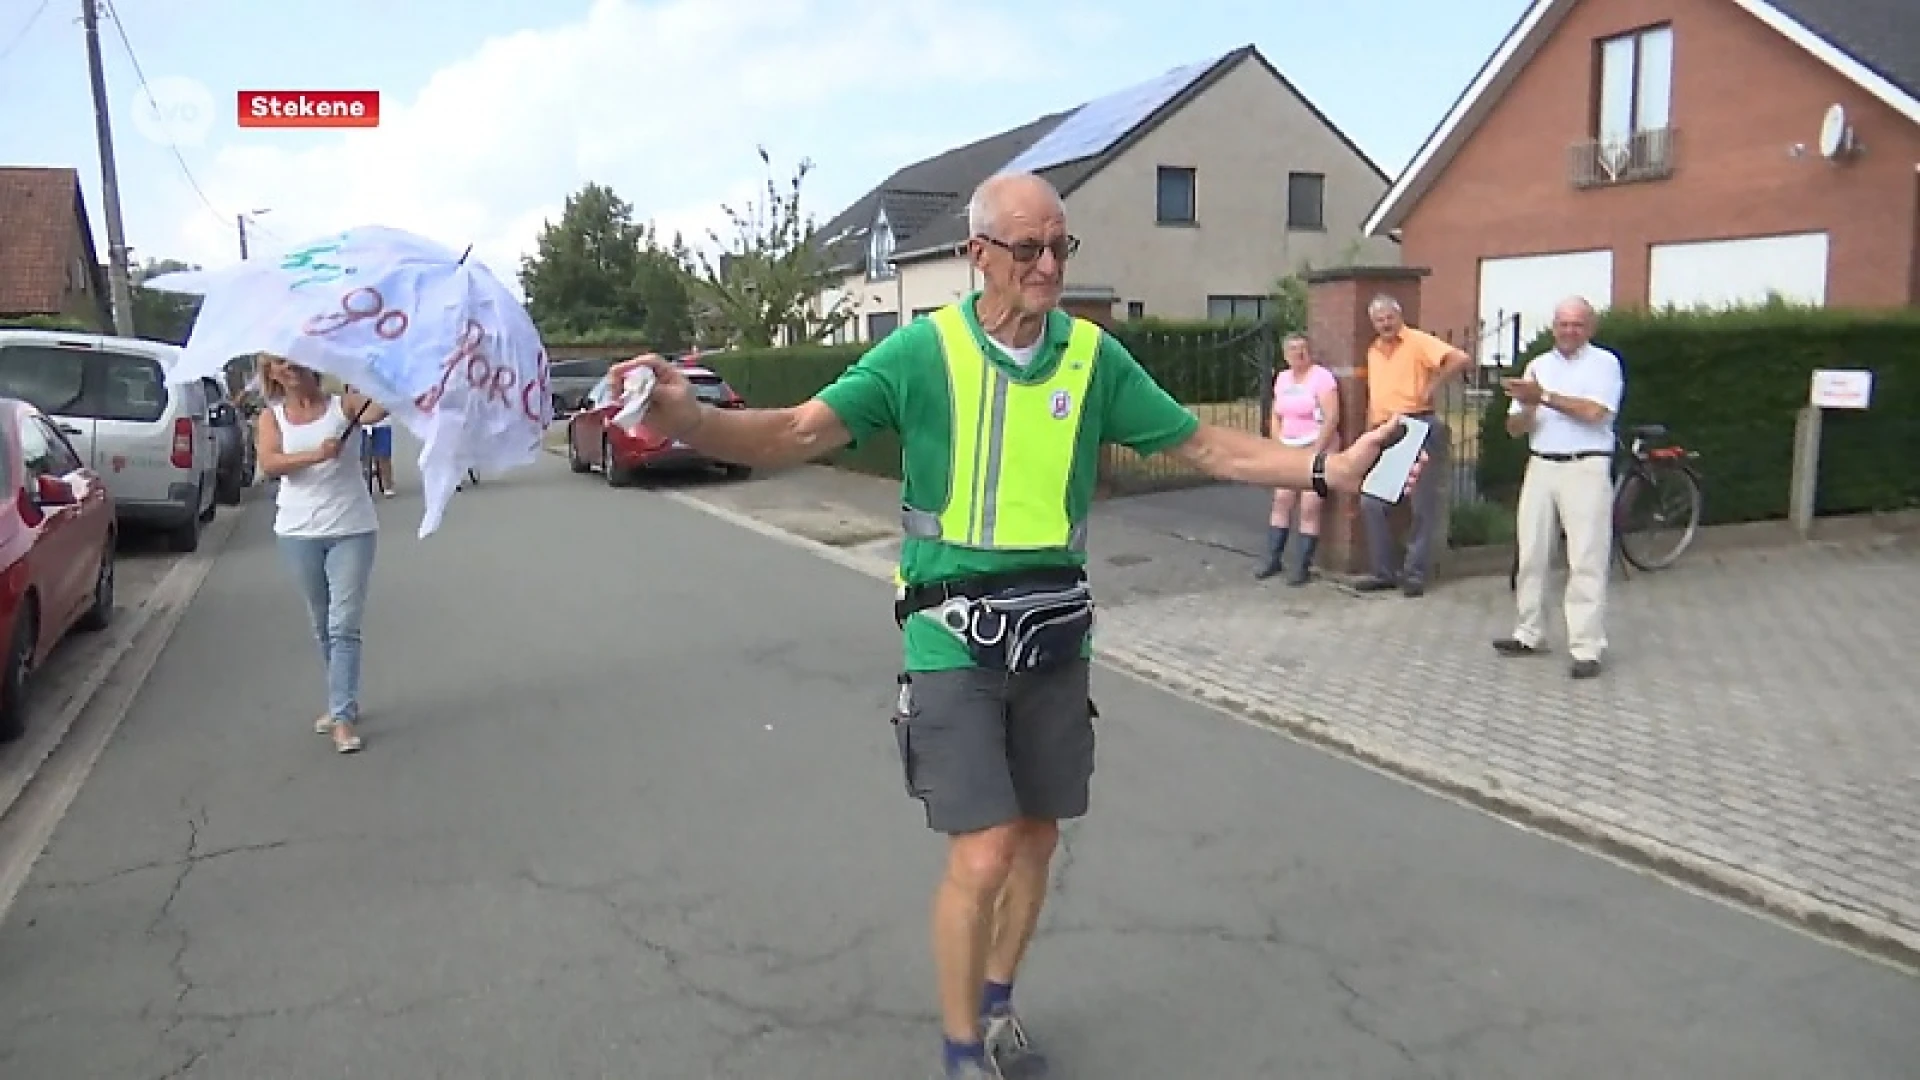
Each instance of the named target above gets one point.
<point>1404,368</point>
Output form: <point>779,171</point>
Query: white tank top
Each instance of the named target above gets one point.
<point>328,499</point>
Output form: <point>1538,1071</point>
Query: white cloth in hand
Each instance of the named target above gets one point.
<point>635,392</point>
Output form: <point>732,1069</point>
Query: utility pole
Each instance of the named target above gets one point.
<point>241,221</point>
<point>117,270</point>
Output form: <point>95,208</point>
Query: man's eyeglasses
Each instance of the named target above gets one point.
<point>1027,251</point>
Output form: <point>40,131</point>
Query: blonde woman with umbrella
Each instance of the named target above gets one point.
<point>325,521</point>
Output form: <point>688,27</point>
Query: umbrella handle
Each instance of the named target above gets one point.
<point>355,421</point>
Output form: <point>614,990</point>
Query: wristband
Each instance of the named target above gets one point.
<point>1319,475</point>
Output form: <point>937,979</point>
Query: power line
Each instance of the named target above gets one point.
<point>120,31</point>
<point>24,30</point>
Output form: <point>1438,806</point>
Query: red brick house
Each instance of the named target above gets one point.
<point>48,265</point>
<point>1672,152</point>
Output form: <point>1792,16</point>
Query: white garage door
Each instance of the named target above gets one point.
<point>1527,287</point>
<point>1736,273</point>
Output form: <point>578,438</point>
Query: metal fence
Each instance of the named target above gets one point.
<point>1224,375</point>
<point>1495,346</point>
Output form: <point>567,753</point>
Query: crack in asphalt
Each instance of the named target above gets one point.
<point>162,864</point>
<point>761,1018</point>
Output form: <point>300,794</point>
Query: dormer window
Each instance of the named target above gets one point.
<point>880,250</point>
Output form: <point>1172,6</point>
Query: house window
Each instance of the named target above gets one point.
<point>882,323</point>
<point>880,250</point>
<point>1174,202</point>
<point>1635,84</point>
<point>1136,309</point>
<point>1306,200</point>
<point>1237,308</point>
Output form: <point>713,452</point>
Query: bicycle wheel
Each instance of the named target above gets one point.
<point>1658,514</point>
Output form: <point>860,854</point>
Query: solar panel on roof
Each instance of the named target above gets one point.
<point>1097,125</point>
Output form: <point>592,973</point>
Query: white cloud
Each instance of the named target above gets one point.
<point>663,101</point>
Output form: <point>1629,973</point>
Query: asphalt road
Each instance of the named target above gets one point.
<point>629,808</point>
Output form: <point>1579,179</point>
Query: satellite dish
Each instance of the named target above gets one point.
<point>1834,136</point>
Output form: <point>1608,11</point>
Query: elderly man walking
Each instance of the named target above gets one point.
<point>1002,403</point>
<point>1565,406</point>
<point>1404,368</point>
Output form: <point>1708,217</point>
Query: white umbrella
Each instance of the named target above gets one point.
<point>431,335</point>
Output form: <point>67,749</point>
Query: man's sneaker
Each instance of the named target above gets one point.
<point>1507,646</point>
<point>1009,1047</point>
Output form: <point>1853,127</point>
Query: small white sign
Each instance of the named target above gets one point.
<point>1842,389</point>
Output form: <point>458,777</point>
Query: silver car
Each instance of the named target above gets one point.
<point>150,441</point>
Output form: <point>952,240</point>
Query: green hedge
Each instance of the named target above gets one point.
<point>1730,385</point>
<point>49,322</point>
<point>1198,363</point>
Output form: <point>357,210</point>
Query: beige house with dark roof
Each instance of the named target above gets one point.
<point>1192,194</point>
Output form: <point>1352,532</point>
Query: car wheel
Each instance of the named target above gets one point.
<point>616,476</point>
<point>739,472</point>
<point>228,489</point>
<point>574,460</point>
<point>185,537</point>
<point>13,680</point>
<point>100,615</point>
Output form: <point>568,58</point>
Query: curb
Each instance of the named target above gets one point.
<point>29,809</point>
<point>1721,878</point>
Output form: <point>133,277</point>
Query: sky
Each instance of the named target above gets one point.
<point>494,111</point>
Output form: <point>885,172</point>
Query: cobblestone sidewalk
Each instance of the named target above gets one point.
<point>1756,731</point>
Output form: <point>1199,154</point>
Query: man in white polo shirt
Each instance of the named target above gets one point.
<point>1565,406</point>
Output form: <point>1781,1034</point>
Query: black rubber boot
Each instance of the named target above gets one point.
<point>1276,551</point>
<point>1303,570</point>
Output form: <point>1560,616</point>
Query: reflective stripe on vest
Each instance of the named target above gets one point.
<point>989,505</point>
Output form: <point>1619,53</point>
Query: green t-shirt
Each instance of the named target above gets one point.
<point>900,385</point>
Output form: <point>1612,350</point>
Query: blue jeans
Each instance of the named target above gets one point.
<point>332,572</point>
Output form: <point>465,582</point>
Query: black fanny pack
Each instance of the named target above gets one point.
<point>1016,622</point>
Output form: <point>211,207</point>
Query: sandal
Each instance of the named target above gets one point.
<point>323,726</point>
<point>345,744</point>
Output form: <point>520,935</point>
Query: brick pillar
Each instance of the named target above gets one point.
<point>1337,322</point>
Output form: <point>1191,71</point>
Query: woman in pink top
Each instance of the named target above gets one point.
<point>1306,412</point>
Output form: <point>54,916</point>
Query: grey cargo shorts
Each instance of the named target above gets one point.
<point>981,748</point>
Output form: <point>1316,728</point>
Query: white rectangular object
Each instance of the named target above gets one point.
<point>1720,274</point>
<point>1834,389</point>
<point>1529,287</point>
<point>1388,477</point>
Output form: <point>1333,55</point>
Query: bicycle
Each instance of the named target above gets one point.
<point>1657,489</point>
<point>367,469</point>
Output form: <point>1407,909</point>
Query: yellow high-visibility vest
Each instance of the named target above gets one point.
<point>1013,446</point>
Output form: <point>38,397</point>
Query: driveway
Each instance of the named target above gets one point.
<point>629,808</point>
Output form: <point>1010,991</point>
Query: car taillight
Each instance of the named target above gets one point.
<point>182,443</point>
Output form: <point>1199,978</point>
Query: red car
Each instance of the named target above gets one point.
<point>592,440</point>
<point>56,550</point>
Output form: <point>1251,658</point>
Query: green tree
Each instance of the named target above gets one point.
<point>163,316</point>
<point>768,278</point>
<point>663,286</point>
<point>586,269</point>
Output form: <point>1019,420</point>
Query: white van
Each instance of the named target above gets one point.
<point>151,442</point>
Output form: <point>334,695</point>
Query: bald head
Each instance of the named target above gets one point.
<point>1008,195</point>
<point>1018,241</point>
<point>1574,307</point>
<point>1573,320</point>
